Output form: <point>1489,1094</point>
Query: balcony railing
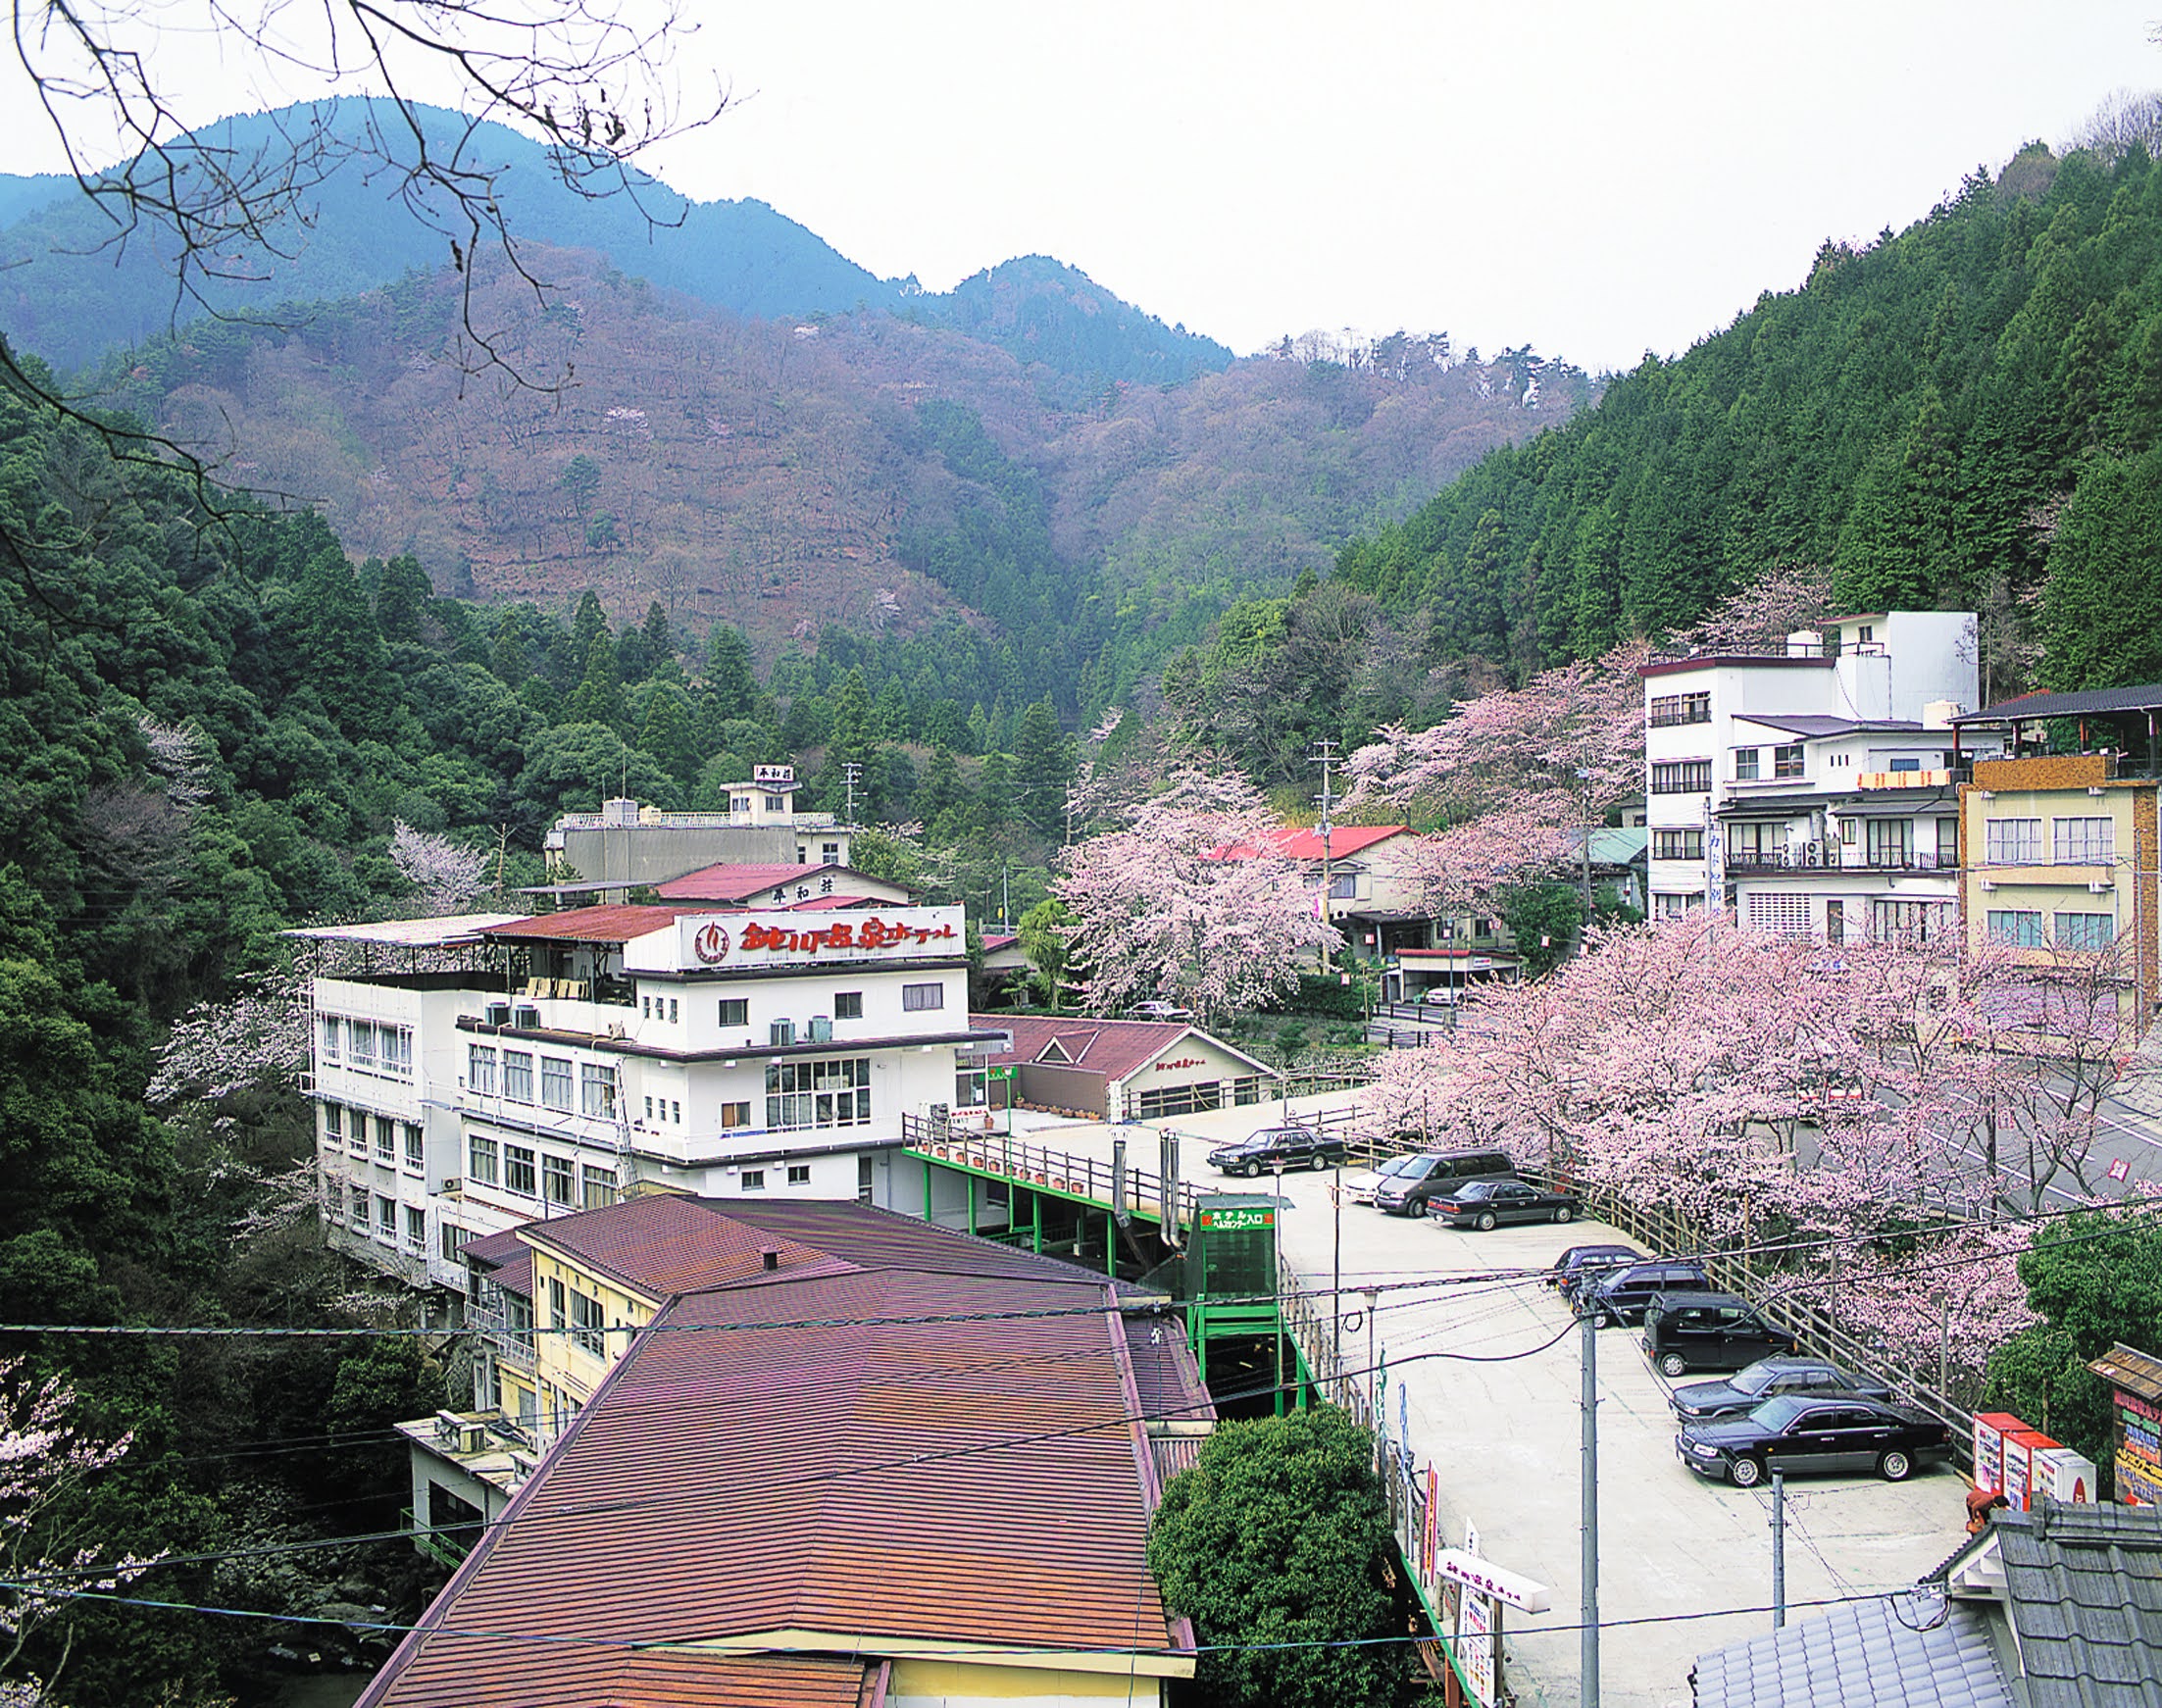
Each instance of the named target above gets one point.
<point>1811,857</point>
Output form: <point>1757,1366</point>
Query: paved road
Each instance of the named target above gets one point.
<point>1490,1366</point>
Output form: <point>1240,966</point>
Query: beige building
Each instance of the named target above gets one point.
<point>2058,854</point>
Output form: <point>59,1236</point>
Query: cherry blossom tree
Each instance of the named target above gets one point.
<point>46,1459</point>
<point>1188,901</point>
<point>1759,617</point>
<point>447,876</point>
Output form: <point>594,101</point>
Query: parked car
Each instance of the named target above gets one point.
<point>1360,1187</point>
<point>1746,1390</point>
<point>1158,1010</point>
<point>1295,1147</point>
<point>1693,1330</point>
<point>1487,1203</point>
<point>1620,1294</point>
<point>1406,1192</point>
<point>1580,1263</point>
<point>1792,1433</point>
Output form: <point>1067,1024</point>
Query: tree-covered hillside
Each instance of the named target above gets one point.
<point>1964,414</point>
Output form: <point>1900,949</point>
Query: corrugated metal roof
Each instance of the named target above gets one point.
<point>1816,724</point>
<point>1858,1656</point>
<point>589,925</point>
<point>749,881</point>
<point>1343,840</point>
<point>2147,697</point>
<point>2132,1369</point>
<point>668,1243</point>
<point>898,1477</point>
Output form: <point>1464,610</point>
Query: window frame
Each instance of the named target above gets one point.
<point>929,997</point>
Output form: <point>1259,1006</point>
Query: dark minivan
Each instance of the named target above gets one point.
<point>1406,1192</point>
<point>1699,1330</point>
<point>1620,1296</point>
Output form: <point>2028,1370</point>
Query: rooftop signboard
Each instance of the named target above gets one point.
<point>758,940</point>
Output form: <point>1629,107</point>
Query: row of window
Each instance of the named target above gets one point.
<point>509,1073</point>
<point>1681,777</point>
<point>367,1046</point>
<point>1785,762</point>
<point>735,1011</point>
<point>350,1204</point>
<point>2072,842</point>
<point>2023,928</point>
<point>1668,709</point>
<point>828,1092</point>
<point>528,1174</point>
<point>1788,916</point>
<point>754,1180</point>
<point>396,1141</point>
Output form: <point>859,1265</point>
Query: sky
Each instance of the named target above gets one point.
<point>1591,179</point>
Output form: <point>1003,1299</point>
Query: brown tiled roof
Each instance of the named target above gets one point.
<point>939,1465</point>
<point>669,1244</point>
<point>587,924</point>
<point>1113,1048</point>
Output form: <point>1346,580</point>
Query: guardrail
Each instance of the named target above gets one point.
<point>1138,1193</point>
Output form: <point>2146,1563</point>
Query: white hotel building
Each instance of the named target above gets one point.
<point>1803,790</point>
<point>488,1072</point>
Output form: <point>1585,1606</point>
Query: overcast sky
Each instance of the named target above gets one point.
<point>1590,177</point>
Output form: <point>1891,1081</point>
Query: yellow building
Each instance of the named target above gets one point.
<point>2058,856</point>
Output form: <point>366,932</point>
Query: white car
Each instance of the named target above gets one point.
<point>1361,1186</point>
<point>1158,1010</point>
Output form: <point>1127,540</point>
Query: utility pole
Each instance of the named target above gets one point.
<point>1324,756</point>
<point>1276,1280</point>
<point>1779,1548</point>
<point>851,775</point>
<point>1587,1649</point>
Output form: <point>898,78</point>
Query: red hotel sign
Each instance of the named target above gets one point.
<point>1183,1062</point>
<point>712,943</point>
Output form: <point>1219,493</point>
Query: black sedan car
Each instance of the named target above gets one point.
<point>1794,1434</point>
<point>1485,1204</point>
<point>1746,1390</point>
<point>1290,1147</point>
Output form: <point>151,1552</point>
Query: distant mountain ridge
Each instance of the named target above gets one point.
<point>68,299</point>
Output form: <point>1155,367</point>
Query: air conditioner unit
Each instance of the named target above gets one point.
<point>821,1028</point>
<point>498,1014</point>
<point>528,1018</point>
<point>782,1032</point>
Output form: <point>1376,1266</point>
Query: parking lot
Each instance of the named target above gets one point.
<point>1490,1374</point>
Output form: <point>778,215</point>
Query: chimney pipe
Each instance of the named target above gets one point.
<point>768,1257</point>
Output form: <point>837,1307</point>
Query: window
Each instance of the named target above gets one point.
<point>1179,1100</point>
<point>740,803</point>
<point>387,1139</point>
<point>2016,925</point>
<point>450,1239</point>
<point>1834,920</point>
<point>587,1324</point>
<point>415,1152</point>
<point>1671,907</point>
<point>556,1172</point>
<point>559,1311</point>
<point>597,1089</point>
<point>1787,761</point>
<point>754,1180</point>
<point>777,803</point>
<point>1246,1089</point>
<point>673,1014</point>
<point>357,1206</point>
<point>649,1109</point>
<point>1671,709</point>
<point>735,1115</point>
<point>645,1008</point>
<point>397,1050</point>
<point>555,1082</point>
<point>1891,841</point>
<point>480,1069</point>
<point>1921,922</point>
<point>1780,914</point>
<point>1906,765</point>
<point>830,853</point>
<point>333,1124</point>
<point>799,1173</point>
<point>735,1011</point>
<point>2086,931</point>
<point>2084,841</point>
<point>517,1075</point>
<point>480,1159</point>
<point>848,1005</point>
<point>2012,841</point>
<point>1681,777</point>
<point>386,1216</point>
<point>361,1040</point>
<point>329,1024</point>
<point>826,1093</point>
<point>916,998</point>
<point>1947,842</point>
<point>518,1171</point>
<point>1745,764</point>
<point>677,1116</point>
<point>971,1088</point>
<point>416,1229</point>
<point>863,1180</point>
<point>597,1188</point>
<point>1678,845</point>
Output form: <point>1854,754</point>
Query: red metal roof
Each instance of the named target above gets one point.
<point>1345,840</point>
<point>935,1465</point>
<point>669,1244</point>
<point>1114,1048</point>
<point>589,924</point>
<point>744,885</point>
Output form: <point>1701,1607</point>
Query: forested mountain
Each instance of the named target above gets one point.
<point>864,471</point>
<point>1964,414</point>
<point>68,292</point>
